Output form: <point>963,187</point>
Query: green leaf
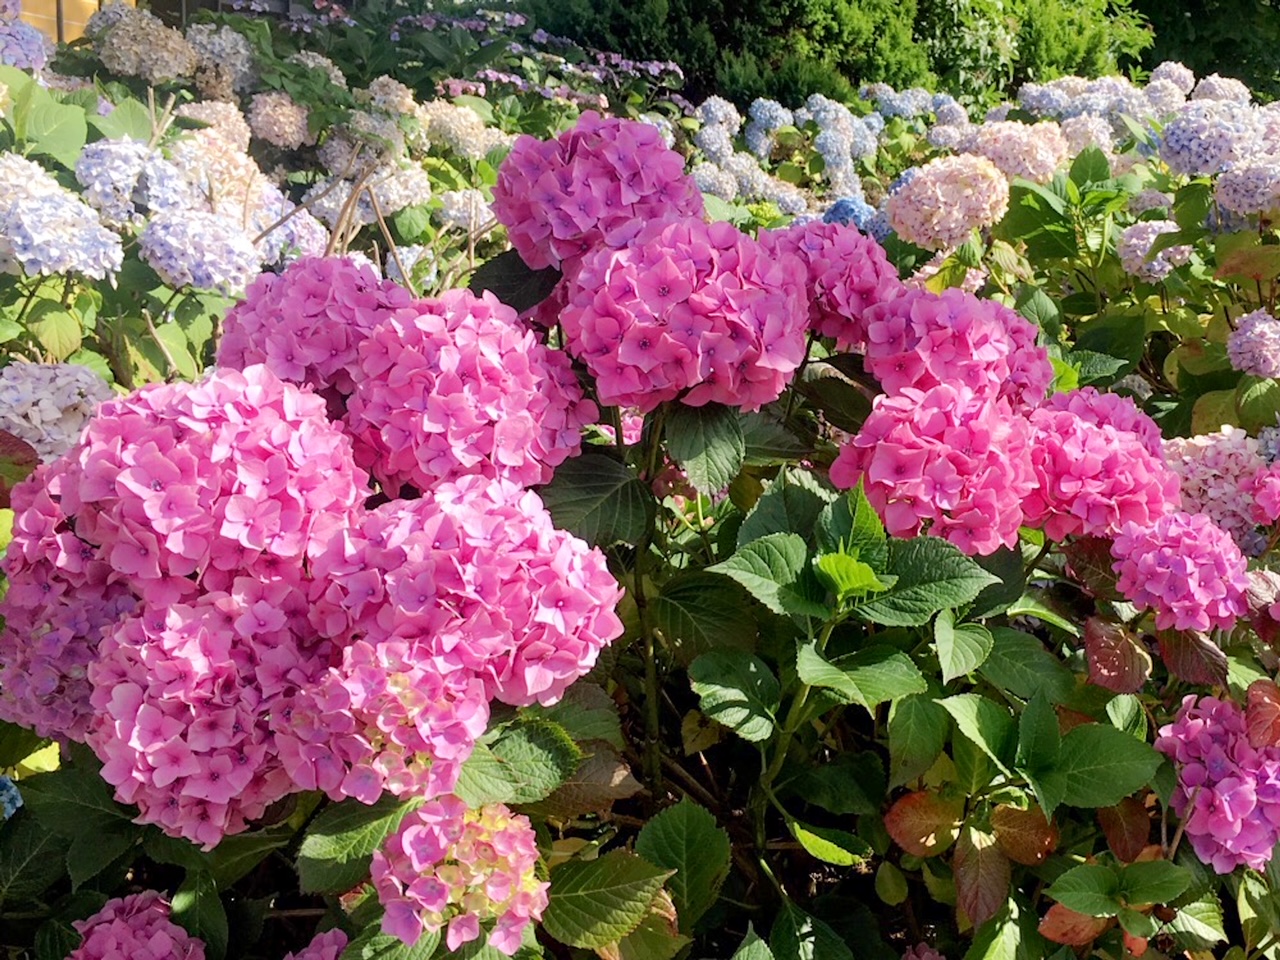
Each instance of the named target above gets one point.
<point>56,130</point>
<point>1098,766</point>
<point>1155,881</point>
<point>73,801</point>
<point>798,936</point>
<point>773,569</point>
<point>198,909</point>
<point>847,577</point>
<point>918,730</point>
<point>1257,402</point>
<point>738,691</point>
<point>790,504</point>
<point>524,765</point>
<point>962,649</point>
<point>1039,741</point>
<point>586,712</point>
<point>1199,924</point>
<point>698,611</point>
<point>18,460</point>
<point>707,443</point>
<point>594,903</point>
<point>866,678</point>
<point>852,783</point>
<point>986,723</point>
<point>1019,664</point>
<point>236,856</point>
<point>129,119</point>
<point>91,853</point>
<point>16,743</point>
<point>373,944</point>
<point>599,499</point>
<point>752,947</point>
<point>932,575</point>
<point>337,848</point>
<point>31,858</point>
<point>838,847</point>
<point>1038,307</point>
<point>851,525</point>
<point>56,329</point>
<point>1090,888</point>
<point>1090,166</point>
<point>175,341</point>
<point>685,838</point>
<point>517,285</point>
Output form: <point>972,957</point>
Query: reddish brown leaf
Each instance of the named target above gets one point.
<point>1127,827</point>
<point>1117,659</point>
<point>923,823</point>
<point>1074,929</point>
<point>18,460</point>
<point>1263,593</point>
<point>1068,720</point>
<point>1192,657</point>
<point>982,875</point>
<point>1262,715</point>
<point>1135,946</point>
<point>1025,836</point>
<point>1089,562</point>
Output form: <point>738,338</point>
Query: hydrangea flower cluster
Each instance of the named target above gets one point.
<point>1216,87</point>
<point>224,119</point>
<point>691,311</point>
<point>124,180</point>
<point>922,951</point>
<point>1031,151</point>
<point>559,198</point>
<point>47,405</point>
<point>46,229</point>
<point>307,323</point>
<point>1111,410</point>
<point>138,44</point>
<point>204,250</point>
<point>22,45</point>
<point>1254,345</point>
<point>1252,186</point>
<point>948,199</point>
<point>462,389</point>
<point>947,457</point>
<point>1208,137</point>
<point>460,129</point>
<point>1183,567</point>
<point>848,274</point>
<point>1171,71</point>
<point>920,339</point>
<point>1228,792</point>
<point>138,927</point>
<point>1134,244</point>
<point>228,50</point>
<point>280,120</point>
<point>1217,473</point>
<point>324,946</point>
<point>451,867</point>
<point>10,798</point>
<point>464,209</point>
<point>396,185</point>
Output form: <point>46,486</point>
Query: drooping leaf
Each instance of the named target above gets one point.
<point>1262,714</point>
<point>1153,881</point>
<point>707,442</point>
<point>866,678</point>
<point>830,845</point>
<point>982,874</point>
<point>594,903</point>
<point>1063,925</point>
<point>1117,660</point>
<point>1025,836</point>
<point>18,459</point>
<point>1127,827</point>
<point>598,499</point>
<point>738,691</point>
<point>698,612</point>
<point>1192,657</point>
<point>339,843</point>
<point>601,780</point>
<point>798,936</point>
<point>985,722</point>
<point>852,783</point>
<point>686,838</point>
<point>199,910</point>
<point>961,649</point>
<point>525,764</point>
<point>918,730</point>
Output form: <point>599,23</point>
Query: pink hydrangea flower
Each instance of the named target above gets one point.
<point>947,200</point>
<point>1183,567</point>
<point>1264,489</point>
<point>325,946</point>
<point>1110,409</point>
<point>920,339</point>
<point>1228,792</point>
<point>848,273</point>
<point>690,311</point>
<point>922,951</point>
<point>306,323</point>
<point>947,457</point>
<point>450,867</point>
<point>559,198</point>
<point>1092,479</point>
<point>462,388</point>
<point>1220,477</point>
<point>137,927</point>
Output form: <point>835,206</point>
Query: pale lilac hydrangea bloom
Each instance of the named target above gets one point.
<point>137,927</point>
<point>1177,74</point>
<point>949,199</point>
<point>949,458</point>
<point>1134,245</point>
<point>449,867</point>
<point>281,121</point>
<point>462,388</point>
<point>203,250</point>
<point>23,46</point>
<point>1184,568</point>
<point>1208,136</point>
<point>1031,151</point>
<point>124,180</point>
<point>47,405</point>
<point>1228,792</point>
<point>559,198</point>
<point>1215,87</point>
<point>691,311</point>
<point>1250,187</point>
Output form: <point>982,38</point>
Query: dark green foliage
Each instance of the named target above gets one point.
<point>1236,38</point>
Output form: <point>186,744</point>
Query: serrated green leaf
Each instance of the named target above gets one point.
<point>1098,766</point>
<point>1155,881</point>
<point>866,678</point>
<point>586,712</point>
<point>1019,664</point>
<point>1090,888</point>
<point>698,611</point>
<point>594,903</point>
<point>686,838</point>
<point>17,743</point>
<point>798,936</point>
<point>509,279</point>
<point>129,119</point>
<point>961,649</point>
<point>932,575</point>
<point>527,762</point>
<point>56,329</point>
<point>850,524</point>
<point>30,858</point>
<point>847,577</point>
<point>985,722</point>
<point>790,504</point>
<point>1038,745</point>
<point>73,801</point>
<point>1199,925</point>
<point>598,499</point>
<point>852,783</point>
<point>372,944</point>
<point>738,691</point>
<point>707,443</point>
<point>198,909</point>
<point>838,847</point>
<point>752,947</point>
<point>774,570</point>
<point>91,853</point>
<point>918,730</point>
<point>339,844</point>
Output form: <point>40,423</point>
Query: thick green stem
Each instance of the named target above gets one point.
<point>796,715</point>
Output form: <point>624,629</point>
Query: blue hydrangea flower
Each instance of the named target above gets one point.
<point>23,46</point>
<point>850,210</point>
<point>10,798</point>
<point>770,114</point>
<point>124,180</point>
<point>201,250</point>
<point>1208,137</point>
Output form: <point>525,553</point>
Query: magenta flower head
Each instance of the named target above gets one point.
<point>920,339</point>
<point>306,323</point>
<point>463,388</point>
<point>690,311</point>
<point>848,273</point>
<point>137,927</point>
<point>468,871</point>
<point>559,198</point>
<point>1185,568</point>
<point>324,946</point>
<point>947,458</point>
<point>1228,792</point>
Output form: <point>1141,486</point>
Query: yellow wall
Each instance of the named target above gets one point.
<point>75,14</point>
